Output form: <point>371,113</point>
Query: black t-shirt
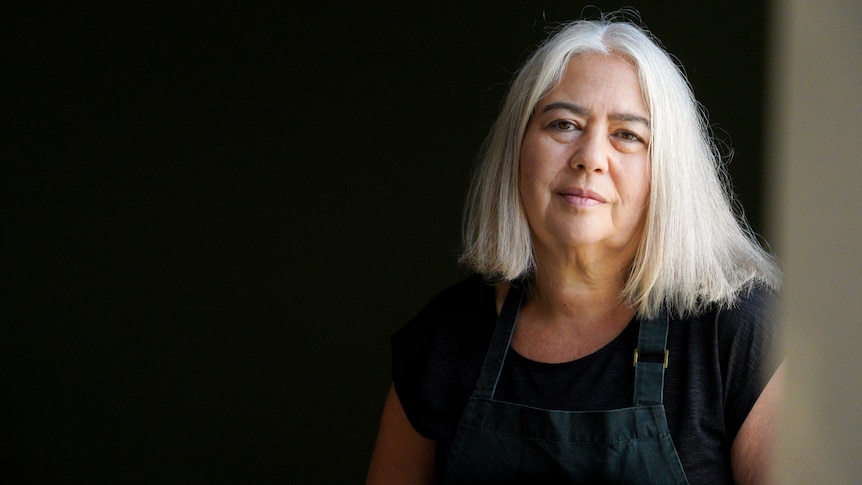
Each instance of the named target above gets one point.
<point>719,362</point>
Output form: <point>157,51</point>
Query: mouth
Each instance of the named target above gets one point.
<point>579,197</point>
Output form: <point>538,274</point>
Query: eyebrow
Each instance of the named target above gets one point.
<point>580,110</point>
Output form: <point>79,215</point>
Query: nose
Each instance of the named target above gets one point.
<point>591,152</point>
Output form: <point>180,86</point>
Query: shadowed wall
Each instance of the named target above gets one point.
<point>814,152</point>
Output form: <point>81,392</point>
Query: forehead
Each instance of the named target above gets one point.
<point>600,81</point>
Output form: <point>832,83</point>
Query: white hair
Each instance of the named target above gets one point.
<point>694,250</point>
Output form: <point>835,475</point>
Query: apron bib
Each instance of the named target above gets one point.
<point>500,442</point>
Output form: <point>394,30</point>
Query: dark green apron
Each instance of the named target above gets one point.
<point>500,442</point>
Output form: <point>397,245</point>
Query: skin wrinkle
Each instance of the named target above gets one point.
<point>620,117</point>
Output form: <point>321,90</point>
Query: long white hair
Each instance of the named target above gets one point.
<point>694,249</point>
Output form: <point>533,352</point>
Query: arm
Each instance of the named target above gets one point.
<point>753,452</point>
<point>401,455</point>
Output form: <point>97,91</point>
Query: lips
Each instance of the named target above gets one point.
<point>580,197</point>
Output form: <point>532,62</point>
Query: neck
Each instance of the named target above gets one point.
<point>570,314</point>
<point>580,288</point>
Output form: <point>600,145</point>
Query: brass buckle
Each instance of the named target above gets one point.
<point>666,354</point>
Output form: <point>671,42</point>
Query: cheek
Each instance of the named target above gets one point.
<point>537,164</point>
<point>634,189</point>
<point>526,183</point>
<point>636,178</point>
<point>527,173</point>
<point>534,181</point>
<point>530,188</point>
<point>527,162</point>
<point>645,176</point>
<point>528,168</point>
<point>641,192</point>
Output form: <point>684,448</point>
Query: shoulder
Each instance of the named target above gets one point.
<point>747,344</point>
<point>437,355</point>
<point>754,305</point>
<point>468,294</point>
<point>741,337</point>
<point>469,299</point>
<point>726,355</point>
<point>748,329</point>
<point>751,315</point>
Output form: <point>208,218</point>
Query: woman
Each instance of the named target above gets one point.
<point>602,237</point>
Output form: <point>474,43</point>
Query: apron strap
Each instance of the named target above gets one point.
<point>651,357</point>
<point>486,386</point>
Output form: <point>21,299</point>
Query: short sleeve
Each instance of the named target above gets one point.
<point>410,349</point>
<point>748,337</point>
<point>437,356</point>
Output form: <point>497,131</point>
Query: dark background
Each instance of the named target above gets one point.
<point>215,215</point>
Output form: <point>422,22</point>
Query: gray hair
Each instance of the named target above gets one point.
<point>694,250</point>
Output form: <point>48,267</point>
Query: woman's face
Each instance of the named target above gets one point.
<point>584,171</point>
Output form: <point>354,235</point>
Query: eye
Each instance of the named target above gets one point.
<point>629,136</point>
<point>564,125</point>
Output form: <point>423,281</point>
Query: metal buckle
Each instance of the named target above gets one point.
<point>666,354</point>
